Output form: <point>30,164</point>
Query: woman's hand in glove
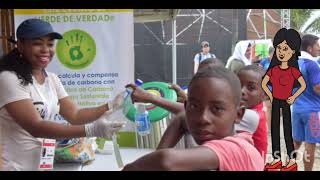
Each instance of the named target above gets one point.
<point>103,128</point>
<point>117,102</point>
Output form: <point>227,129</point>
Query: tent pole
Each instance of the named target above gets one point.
<point>264,24</point>
<point>174,52</point>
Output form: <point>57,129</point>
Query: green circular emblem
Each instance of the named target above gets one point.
<point>76,50</point>
<point>156,113</point>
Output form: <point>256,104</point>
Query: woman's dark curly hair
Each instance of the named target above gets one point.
<point>13,61</point>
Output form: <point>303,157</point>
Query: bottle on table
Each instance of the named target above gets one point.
<point>142,120</point>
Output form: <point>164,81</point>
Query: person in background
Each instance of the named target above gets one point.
<point>252,96</point>
<point>265,62</point>
<point>306,109</point>
<point>205,54</point>
<point>31,97</point>
<point>240,57</point>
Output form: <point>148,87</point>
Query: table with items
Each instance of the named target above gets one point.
<point>105,162</point>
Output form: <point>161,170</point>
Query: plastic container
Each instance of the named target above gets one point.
<point>142,120</point>
<point>128,101</point>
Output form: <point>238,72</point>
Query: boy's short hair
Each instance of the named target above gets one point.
<point>224,74</point>
<point>308,40</point>
<point>254,68</point>
<point>215,61</point>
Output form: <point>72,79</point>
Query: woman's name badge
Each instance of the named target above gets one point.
<point>47,154</point>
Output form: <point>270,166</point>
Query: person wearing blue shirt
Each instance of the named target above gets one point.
<point>265,62</point>
<point>205,54</point>
<point>306,109</point>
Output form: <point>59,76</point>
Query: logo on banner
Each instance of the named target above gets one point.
<point>76,50</point>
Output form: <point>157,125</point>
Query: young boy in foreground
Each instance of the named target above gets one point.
<point>212,109</point>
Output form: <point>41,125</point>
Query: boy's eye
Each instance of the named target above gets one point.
<point>285,48</point>
<point>217,109</point>
<point>251,88</point>
<point>192,106</point>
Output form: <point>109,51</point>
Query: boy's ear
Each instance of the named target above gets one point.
<point>309,49</point>
<point>240,113</point>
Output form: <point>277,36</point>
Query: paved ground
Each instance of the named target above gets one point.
<point>316,166</point>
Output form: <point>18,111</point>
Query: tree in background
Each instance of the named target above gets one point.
<point>300,16</point>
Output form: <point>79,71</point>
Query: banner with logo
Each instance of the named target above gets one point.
<point>95,58</point>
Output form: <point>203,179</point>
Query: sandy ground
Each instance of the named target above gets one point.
<point>316,166</point>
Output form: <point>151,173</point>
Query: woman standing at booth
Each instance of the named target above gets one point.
<point>30,97</point>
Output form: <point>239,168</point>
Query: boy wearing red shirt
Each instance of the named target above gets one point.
<point>252,97</point>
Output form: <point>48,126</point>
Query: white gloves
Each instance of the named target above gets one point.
<point>117,102</point>
<point>103,128</point>
<point>107,124</point>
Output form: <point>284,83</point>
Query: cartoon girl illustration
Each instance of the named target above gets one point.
<point>283,75</point>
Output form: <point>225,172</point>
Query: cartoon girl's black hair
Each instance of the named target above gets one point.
<point>293,39</point>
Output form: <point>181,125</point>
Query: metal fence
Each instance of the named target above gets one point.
<point>152,44</point>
